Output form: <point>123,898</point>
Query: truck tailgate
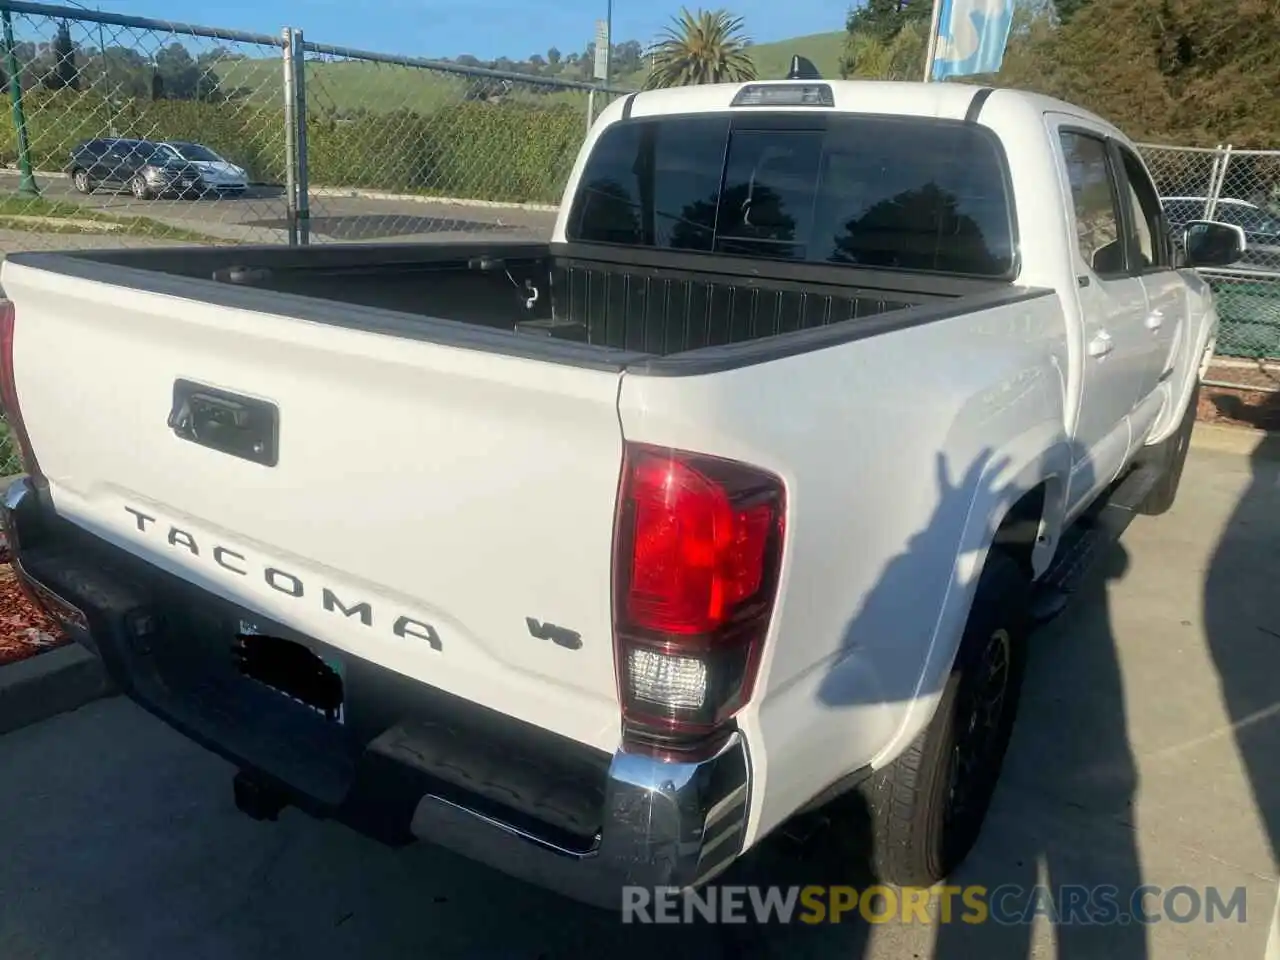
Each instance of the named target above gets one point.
<point>447,513</point>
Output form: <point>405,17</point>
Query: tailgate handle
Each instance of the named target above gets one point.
<point>229,423</point>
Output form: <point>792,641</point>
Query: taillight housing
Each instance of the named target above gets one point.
<point>9,390</point>
<point>697,553</point>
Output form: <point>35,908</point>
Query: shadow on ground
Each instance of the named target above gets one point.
<point>1254,409</point>
<point>1243,627</point>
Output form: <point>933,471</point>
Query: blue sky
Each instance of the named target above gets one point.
<point>484,28</point>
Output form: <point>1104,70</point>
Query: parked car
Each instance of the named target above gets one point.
<point>1261,228</point>
<point>1248,295</point>
<point>144,167</point>
<point>219,175</point>
<point>600,559</point>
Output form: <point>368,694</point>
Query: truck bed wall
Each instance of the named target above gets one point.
<point>651,302</point>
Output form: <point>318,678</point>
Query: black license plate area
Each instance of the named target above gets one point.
<point>292,670</point>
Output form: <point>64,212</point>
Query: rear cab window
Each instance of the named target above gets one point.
<point>900,193</point>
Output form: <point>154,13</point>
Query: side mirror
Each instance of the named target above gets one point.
<point>1211,244</point>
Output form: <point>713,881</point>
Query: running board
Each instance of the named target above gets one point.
<point>1087,541</point>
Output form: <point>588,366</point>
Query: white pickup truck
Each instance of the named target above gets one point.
<point>600,559</point>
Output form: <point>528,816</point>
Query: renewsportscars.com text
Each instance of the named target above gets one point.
<point>1008,904</point>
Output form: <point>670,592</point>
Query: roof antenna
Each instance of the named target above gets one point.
<point>802,68</point>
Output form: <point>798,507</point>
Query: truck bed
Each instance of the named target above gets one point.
<point>650,302</point>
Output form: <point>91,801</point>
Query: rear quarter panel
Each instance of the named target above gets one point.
<point>900,454</point>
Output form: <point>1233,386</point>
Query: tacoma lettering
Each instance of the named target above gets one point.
<point>283,581</point>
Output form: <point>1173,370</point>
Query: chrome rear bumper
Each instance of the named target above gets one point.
<point>665,825</point>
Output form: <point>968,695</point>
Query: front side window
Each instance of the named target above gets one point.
<point>194,151</point>
<point>887,192</point>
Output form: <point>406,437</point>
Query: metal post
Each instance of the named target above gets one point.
<point>1213,180</point>
<point>27,182</point>
<point>591,109</point>
<point>300,118</point>
<point>1216,192</point>
<point>931,50</point>
<point>608,52</point>
<point>102,55</point>
<point>290,152</point>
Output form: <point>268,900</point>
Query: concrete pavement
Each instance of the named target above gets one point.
<point>1146,752</point>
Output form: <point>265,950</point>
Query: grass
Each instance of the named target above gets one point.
<point>349,85</point>
<point>773,60</point>
<point>14,206</point>
<point>346,86</point>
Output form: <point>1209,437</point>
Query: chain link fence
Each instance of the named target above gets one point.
<point>1240,187</point>
<point>465,150</point>
<point>130,131</point>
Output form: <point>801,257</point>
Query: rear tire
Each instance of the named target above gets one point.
<point>1169,456</point>
<point>927,807</point>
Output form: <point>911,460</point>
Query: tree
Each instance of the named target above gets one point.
<point>1195,72</point>
<point>553,56</point>
<point>901,57</point>
<point>884,19</point>
<point>181,77</point>
<point>706,47</point>
<point>64,75</point>
<point>1066,9</point>
<point>586,65</point>
<point>627,57</point>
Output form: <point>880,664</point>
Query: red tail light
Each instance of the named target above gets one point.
<point>9,389</point>
<point>697,555</point>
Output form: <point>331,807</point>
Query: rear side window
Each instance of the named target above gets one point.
<point>1096,203</point>
<point>884,192</point>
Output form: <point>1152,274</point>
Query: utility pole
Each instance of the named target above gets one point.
<point>608,50</point>
<point>27,182</point>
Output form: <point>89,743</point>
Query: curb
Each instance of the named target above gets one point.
<point>1242,441</point>
<point>56,681</point>
<point>358,194</point>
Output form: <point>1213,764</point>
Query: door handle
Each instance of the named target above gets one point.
<point>1100,345</point>
<point>1154,320</point>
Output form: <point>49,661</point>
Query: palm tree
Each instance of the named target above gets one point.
<point>706,47</point>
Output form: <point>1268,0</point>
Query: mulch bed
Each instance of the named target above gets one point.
<point>1236,406</point>
<point>24,631</point>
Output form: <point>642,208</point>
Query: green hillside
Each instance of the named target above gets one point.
<point>346,86</point>
<point>824,49</point>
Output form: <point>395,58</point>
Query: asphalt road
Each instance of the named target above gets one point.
<point>260,216</point>
<point>1146,752</point>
